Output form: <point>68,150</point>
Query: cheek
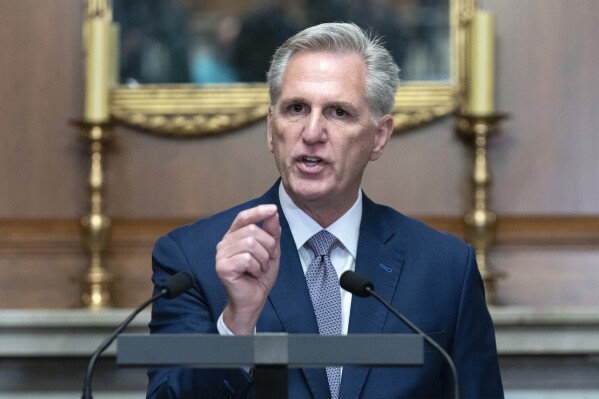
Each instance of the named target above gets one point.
<point>357,154</point>
<point>279,148</point>
<point>276,141</point>
<point>281,137</point>
<point>360,146</point>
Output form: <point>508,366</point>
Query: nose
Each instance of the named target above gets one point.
<point>315,129</point>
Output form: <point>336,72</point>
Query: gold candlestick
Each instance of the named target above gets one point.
<point>480,223</point>
<point>96,284</point>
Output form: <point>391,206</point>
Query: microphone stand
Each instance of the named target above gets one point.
<point>359,285</point>
<point>173,287</point>
<point>429,340</point>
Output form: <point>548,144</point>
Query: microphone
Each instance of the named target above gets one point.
<point>359,285</point>
<point>172,288</point>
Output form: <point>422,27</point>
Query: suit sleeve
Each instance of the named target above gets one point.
<point>474,350</point>
<point>188,313</point>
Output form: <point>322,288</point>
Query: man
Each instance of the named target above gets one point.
<point>267,265</point>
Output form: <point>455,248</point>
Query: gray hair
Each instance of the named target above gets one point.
<point>382,76</point>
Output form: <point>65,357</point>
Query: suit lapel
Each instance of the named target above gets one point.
<point>382,264</point>
<point>290,298</point>
<point>291,301</point>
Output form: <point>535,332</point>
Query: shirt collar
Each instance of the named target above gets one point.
<point>302,226</point>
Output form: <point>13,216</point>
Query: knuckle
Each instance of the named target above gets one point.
<point>250,243</point>
<point>247,260</point>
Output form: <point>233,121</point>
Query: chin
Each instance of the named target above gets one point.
<point>309,190</point>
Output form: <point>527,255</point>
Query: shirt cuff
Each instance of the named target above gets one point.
<point>223,329</point>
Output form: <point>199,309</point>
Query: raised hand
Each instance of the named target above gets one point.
<point>247,263</point>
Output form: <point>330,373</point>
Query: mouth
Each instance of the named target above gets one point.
<point>311,165</point>
<point>311,161</point>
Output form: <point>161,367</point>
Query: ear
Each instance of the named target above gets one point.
<point>382,134</point>
<point>269,122</point>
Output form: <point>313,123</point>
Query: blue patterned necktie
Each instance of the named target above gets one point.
<point>323,285</point>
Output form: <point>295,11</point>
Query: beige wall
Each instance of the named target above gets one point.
<point>548,159</point>
<point>40,90</point>
<point>545,161</point>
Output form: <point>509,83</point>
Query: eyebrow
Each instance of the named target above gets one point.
<point>293,100</point>
<point>337,104</point>
<point>343,104</point>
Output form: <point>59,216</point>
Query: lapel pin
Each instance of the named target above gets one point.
<point>385,268</point>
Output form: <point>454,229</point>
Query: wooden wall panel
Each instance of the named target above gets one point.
<point>37,263</point>
<point>539,277</point>
<point>548,261</point>
<point>545,161</point>
<point>41,162</point>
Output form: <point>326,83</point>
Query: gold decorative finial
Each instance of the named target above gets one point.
<point>480,223</point>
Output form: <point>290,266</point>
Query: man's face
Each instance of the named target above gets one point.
<point>321,131</point>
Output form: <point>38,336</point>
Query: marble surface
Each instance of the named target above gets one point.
<point>64,332</point>
<point>550,353</point>
<point>77,332</point>
<point>546,331</point>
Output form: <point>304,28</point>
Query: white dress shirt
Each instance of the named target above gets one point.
<point>343,256</point>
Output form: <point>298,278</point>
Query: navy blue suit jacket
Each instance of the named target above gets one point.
<point>430,277</point>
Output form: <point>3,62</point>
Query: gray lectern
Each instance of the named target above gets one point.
<point>271,353</point>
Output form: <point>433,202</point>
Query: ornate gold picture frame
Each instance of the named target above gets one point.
<point>188,110</point>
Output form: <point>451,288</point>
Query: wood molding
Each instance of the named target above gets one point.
<point>40,258</point>
<point>63,234</point>
<point>558,230</point>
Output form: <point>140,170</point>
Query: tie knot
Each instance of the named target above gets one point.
<point>322,243</point>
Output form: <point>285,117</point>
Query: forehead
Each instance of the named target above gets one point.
<point>325,74</point>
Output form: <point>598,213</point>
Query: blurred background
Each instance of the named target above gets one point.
<point>544,162</point>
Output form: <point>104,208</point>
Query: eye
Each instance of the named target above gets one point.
<point>297,108</point>
<point>340,112</point>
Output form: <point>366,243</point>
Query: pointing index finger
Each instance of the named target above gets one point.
<point>253,215</point>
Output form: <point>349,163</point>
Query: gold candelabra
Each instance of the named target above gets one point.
<point>480,223</point>
<point>96,284</point>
